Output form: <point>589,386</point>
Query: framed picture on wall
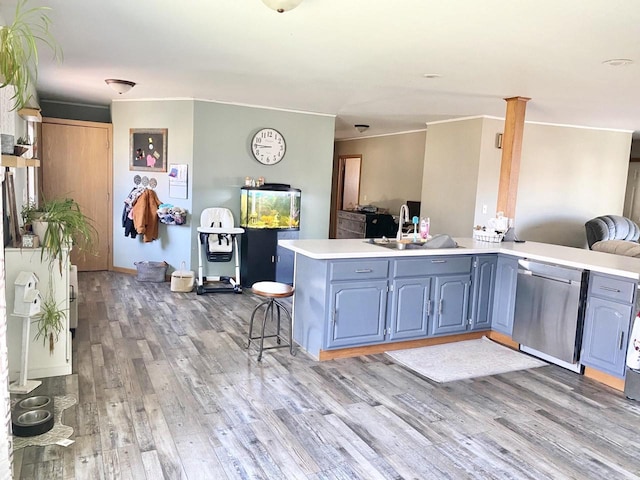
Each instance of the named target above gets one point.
<point>148,149</point>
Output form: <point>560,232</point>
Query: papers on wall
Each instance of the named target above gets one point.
<point>178,180</point>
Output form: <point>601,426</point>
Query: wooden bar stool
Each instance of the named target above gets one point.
<point>271,291</point>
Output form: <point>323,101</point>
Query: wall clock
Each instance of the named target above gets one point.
<point>268,146</point>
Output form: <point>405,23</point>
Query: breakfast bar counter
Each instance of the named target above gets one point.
<point>355,297</point>
<point>607,263</point>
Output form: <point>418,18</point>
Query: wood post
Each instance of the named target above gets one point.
<point>511,150</point>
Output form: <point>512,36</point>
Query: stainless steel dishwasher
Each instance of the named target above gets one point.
<point>549,311</point>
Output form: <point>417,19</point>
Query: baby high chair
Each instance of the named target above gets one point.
<point>218,239</point>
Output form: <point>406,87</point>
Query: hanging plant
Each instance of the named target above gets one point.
<point>51,319</point>
<point>19,51</point>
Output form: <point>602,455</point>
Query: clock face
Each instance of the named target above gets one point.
<point>268,146</point>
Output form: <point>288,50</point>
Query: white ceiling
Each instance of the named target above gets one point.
<point>360,60</point>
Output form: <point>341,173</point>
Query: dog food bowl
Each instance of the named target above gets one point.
<point>37,402</point>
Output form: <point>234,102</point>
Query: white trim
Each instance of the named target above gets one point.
<point>564,125</point>
<point>237,104</point>
<point>459,119</point>
<point>60,102</point>
<point>381,135</point>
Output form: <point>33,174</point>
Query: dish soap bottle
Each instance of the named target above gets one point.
<point>424,228</point>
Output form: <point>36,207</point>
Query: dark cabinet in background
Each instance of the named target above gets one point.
<point>261,259</point>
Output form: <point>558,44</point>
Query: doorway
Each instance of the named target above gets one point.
<point>632,197</point>
<point>77,163</point>
<point>346,187</point>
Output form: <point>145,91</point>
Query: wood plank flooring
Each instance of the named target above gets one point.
<point>166,390</point>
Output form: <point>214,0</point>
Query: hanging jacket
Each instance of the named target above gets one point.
<point>145,217</point>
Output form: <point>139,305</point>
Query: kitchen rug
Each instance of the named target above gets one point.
<point>466,359</point>
<point>58,435</point>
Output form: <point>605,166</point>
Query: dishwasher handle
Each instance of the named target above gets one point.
<point>522,271</point>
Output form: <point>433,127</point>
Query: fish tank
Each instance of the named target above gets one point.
<point>273,206</point>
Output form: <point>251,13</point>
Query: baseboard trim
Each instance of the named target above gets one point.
<point>503,339</point>
<point>607,379</point>
<point>384,347</point>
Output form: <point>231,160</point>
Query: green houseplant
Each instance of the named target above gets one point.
<point>19,51</point>
<point>50,320</point>
<point>66,226</point>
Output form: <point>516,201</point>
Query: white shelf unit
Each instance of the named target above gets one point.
<point>40,362</point>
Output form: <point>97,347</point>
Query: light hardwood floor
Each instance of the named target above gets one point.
<point>166,390</point>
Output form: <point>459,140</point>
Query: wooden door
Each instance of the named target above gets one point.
<point>76,163</point>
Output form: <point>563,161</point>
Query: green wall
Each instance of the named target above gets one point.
<point>213,140</point>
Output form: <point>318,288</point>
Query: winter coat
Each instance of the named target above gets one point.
<point>145,218</point>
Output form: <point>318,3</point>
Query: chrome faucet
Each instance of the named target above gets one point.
<point>404,218</point>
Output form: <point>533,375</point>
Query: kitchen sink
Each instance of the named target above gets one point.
<point>395,245</point>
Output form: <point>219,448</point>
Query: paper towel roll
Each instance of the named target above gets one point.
<point>633,350</point>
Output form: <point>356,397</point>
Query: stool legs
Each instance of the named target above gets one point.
<point>269,313</point>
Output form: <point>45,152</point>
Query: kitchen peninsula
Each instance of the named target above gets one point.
<point>355,298</point>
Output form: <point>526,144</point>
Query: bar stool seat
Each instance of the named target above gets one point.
<point>271,291</point>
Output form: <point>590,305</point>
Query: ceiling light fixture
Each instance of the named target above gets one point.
<point>431,75</point>
<point>361,127</point>
<point>618,62</point>
<point>120,86</point>
<point>282,6</point>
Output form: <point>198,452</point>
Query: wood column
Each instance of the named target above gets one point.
<point>511,150</point>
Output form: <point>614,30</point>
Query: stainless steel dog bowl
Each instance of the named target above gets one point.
<point>39,401</point>
<point>33,417</point>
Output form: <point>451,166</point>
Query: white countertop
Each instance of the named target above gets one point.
<point>572,257</point>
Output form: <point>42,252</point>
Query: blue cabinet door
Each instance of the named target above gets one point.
<point>410,308</point>
<point>606,330</point>
<point>285,258</point>
<point>504,295</point>
<point>484,277</point>
<point>357,313</point>
<point>451,296</point>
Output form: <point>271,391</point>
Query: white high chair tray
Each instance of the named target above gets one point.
<point>230,230</point>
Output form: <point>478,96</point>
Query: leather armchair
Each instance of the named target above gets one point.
<point>611,227</point>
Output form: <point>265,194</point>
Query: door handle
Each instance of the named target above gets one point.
<point>428,307</point>
<point>440,307</point>
<point>72,296</point>
<point>438,261</point>
<point>364,270</point>
<point>621,340</point>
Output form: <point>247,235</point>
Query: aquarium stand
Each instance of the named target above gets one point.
<point>262,258</point>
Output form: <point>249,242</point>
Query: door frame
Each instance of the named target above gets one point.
<point>109,128</point>
<point>337,188</point>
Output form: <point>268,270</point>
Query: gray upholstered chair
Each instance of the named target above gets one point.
<point>611,227</point>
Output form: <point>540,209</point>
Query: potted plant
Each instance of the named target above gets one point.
<point>29,213</point>
<point>66,226</point>
<point>50,320</point>
<point>19,53</point>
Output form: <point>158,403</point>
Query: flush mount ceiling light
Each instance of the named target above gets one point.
<point>618,62</point>
<point>361,127</point>
<point>282,6</point>
<point>120,86</point>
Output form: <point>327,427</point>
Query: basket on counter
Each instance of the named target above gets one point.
<point>151,271</point>
<point>488,236</point>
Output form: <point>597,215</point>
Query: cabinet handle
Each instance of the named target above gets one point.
<point>364,270</point>
<point>621,340</point>
<point>440,307</point>
<point>438,261</point>
<point>273,259</point>
<point>72,297</point>
<point>428,306</point>
<point>610,289</point>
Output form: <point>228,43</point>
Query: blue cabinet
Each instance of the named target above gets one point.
<point>411,307</point>
<point>451,304</point>
<point>358,313</point>
<point>430,296</point>
<point>504,296</point>
<point>357,308</point>
<point>484,278</point>
<point>607,323</point>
